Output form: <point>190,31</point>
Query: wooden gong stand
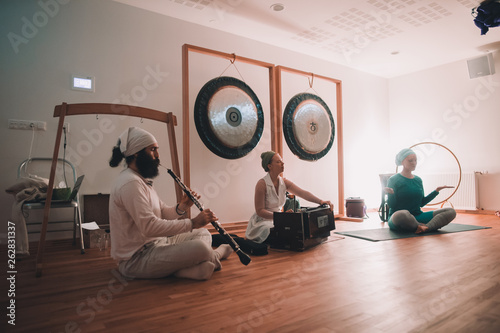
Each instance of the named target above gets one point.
<point>64,110</point>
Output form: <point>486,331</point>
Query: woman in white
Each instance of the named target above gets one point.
<point>270,196</point>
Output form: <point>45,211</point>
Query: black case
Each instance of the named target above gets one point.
<point>302,230</point>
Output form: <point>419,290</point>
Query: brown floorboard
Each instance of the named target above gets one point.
<point>444,283</point>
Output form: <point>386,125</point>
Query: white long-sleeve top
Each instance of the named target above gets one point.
<point>137,216</point>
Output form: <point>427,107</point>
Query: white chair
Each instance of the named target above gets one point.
<point>67,174</point>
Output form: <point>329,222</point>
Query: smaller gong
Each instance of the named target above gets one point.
<point>308,126</point>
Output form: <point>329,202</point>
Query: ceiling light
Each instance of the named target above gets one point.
<point>278,7</point>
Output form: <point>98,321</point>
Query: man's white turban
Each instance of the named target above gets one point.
<point>134,139</point>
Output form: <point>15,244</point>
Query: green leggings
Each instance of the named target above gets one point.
<point>402,220</point>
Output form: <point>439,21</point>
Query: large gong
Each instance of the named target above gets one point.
<point>228,117</point>
<point>308,126</point>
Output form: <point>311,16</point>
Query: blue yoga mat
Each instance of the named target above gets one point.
<point>382,234</point>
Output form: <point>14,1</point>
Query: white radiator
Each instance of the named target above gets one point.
<point>467,195</point>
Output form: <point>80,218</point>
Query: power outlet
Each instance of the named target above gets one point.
<point>66,127</point>
<point>27,125</point>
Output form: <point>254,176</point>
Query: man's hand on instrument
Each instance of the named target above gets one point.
<point>186,202</point>
<point>205,217</point>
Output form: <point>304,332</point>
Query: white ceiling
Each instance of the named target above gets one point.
<point>387,38</point>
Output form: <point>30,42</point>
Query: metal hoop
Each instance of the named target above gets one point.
<point>459,171</point>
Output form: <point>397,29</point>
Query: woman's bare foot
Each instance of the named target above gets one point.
<point>421,228</point>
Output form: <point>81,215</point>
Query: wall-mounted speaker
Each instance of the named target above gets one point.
<point>481,66</point>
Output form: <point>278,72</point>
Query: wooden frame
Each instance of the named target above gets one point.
<point>64,110</point>
<point>339,130</point>
<point>186,48</point>
<point>275,88</point>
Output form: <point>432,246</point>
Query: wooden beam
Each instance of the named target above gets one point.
<point>228,56</point>
<point>50,188</point>
<point>340,149</point>
<point>172,141</point>
<point>185,117</point>
<point>276,118</point>
<point>112,109</point>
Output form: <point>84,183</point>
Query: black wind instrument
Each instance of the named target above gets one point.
<point>244,258</point>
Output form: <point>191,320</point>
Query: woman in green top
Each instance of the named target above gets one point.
<point>406,197</point>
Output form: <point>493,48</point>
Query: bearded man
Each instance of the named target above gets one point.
<point>148,238</point>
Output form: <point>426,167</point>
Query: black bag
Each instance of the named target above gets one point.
<point>246,245</point>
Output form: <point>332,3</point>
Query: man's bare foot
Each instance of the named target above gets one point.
<point>421,228</point>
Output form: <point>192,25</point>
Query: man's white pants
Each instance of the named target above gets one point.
<point>170,255</point>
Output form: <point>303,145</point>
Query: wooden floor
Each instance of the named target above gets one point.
<point>445,283</point>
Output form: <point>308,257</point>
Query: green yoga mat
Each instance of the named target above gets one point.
<point>382,234</point>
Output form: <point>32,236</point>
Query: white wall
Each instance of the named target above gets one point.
<point>135,57</point>
<point>444,105</point>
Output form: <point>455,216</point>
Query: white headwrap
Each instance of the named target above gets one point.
<point>404,153</point>
<point>134,139</point>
